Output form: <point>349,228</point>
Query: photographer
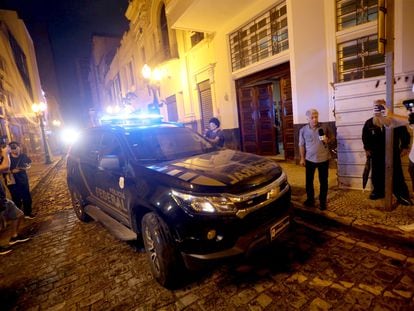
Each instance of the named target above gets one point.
<point>373,137</point>
<point>409,105</point>
<point>395,119</point>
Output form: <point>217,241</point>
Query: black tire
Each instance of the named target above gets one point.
<point>165,261</point>
<point>78,205</point>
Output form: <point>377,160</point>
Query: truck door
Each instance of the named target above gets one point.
<point>110,178</point>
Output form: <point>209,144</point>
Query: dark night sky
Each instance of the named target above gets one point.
<point>71,24</point>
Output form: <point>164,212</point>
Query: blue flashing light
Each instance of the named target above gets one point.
<point>131,119</point>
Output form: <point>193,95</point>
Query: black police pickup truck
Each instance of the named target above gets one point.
<point>189,201</point>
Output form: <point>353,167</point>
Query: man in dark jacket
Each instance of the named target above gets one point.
<point>373,138</point>
<point>19,188</point>
<point>8,210</point>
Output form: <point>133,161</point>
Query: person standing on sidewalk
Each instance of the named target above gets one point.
<point>17,180</point>
<point>8,210</point>
<point>373,138</point>
<point>396,120</point>
<point>314,141</point>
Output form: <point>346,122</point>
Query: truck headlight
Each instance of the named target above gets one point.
<point>205,204</point>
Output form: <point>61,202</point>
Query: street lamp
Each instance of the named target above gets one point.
<point>56,123</point>
<point>39,110</point>
<point>153,78</point>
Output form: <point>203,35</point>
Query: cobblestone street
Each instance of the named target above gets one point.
<point>70,265</point>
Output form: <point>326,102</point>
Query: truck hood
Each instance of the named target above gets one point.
<point>224,170</point>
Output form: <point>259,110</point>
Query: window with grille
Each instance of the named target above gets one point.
<point>359,59</point>
<point>263,37</point>
<point>357,53</point>
<point>355,12</point>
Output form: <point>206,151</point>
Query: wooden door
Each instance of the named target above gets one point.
<point>287,117</point>
<point>248,119</point>
<point>256,111</point>
<point>266,129</point>
<point>257,119</point>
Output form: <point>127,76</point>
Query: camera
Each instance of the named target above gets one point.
<point>409,105</point>
<point>379,109</point>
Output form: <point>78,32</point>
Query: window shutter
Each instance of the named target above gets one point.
<point>206,103</point>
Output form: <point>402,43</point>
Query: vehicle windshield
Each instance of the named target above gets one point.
<point>164,144</point>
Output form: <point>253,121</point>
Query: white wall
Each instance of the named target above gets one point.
<point>308,59</point>
<point>354,104</point>
<point>404,30</point>
<point>354,100</point>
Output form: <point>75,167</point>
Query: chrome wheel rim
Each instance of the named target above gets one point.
<point>152,252</point>
<point>77,205</point>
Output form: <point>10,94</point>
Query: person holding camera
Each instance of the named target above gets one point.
<point>409,105</point>
<point>17,180</point>
<point>8,210</point>
<point>373,138</point>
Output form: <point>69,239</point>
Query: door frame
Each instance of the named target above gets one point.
<point>274,73</point>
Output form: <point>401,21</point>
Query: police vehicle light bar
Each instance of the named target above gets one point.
<point>131,119</point>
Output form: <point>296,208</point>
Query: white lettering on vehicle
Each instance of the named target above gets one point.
<point>113,197</point>
<point>250,171</point>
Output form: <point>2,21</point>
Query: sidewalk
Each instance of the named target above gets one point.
<point>352,207</point>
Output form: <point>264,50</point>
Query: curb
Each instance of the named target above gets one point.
<point>377,230</point>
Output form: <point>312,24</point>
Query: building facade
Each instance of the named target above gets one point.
<point>20,85</point>
<point>259,65</point>
<point>47,73</point>
<point>103,51</point>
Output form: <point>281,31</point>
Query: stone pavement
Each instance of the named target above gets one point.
<point>313,268</point>
<point>39,170</point>
<point>352,208</point>
<point>36,173</point>
<point>346,207</point>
